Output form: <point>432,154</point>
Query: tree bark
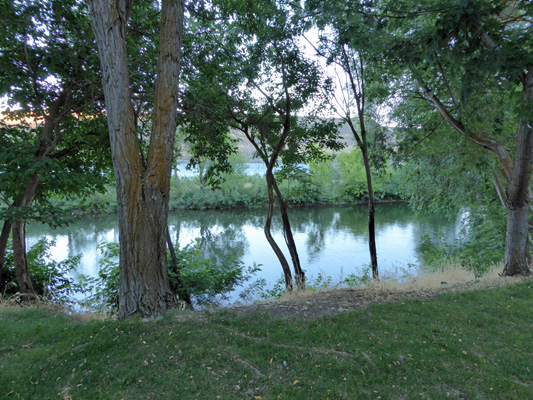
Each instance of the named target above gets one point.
<point>18,229</point>
<point>516,174</point>
<point>371,216</point>
<point>142,191</point>
<point>517,204</point>
<point>299,274</point>
<point>27,292</point>
<point>270,211</point>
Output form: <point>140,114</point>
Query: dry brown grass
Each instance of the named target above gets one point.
<point>449,276</point>
<point>339,298</point>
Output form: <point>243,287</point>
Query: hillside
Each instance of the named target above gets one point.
<point>247,149</point>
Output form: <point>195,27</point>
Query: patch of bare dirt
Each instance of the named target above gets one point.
<point>333,301</point>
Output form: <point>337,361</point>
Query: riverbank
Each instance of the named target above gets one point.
<point>240,191</point>
<point>467,344</point>
<point>333,300</point>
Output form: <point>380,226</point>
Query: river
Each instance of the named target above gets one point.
<point>331,240</point>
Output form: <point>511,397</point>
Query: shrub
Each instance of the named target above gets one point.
<point>50,278</point>
<point>478,248</point>
<point>206,282</point>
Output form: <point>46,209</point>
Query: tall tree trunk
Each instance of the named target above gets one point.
<point>371,216</point>
<point>4,237</point>
<point>354,67</point>
<point>270,212</point>
<point>49,138</point>
<point>299,274</point>
<point>142,191</point>
<point>517,204</point>
<point>363,146</point>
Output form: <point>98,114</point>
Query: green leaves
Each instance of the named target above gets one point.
<point>205,277</point>
<point>57,134</point>
<point>252,76</point>
<point>50,278</point>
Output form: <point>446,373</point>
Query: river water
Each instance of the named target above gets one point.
<point>331,240</point>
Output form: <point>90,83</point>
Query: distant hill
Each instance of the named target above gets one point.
<point>247,149</point>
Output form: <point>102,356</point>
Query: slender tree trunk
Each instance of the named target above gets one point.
<point>49,138</point>
<point>270,212</point>
<point>4,237</point>
<point>299,274</point>
<point>142,190</point>
<point>362,144</point>
<point>371,216</point>
<point>354,67</point>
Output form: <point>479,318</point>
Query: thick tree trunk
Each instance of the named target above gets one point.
<point>144,287</point>
<point>4,237</point>
<point>299,274</point>
<point>270,212</point>
<point>516,241</point>
<point>517,204</point>
<point>142,191</point>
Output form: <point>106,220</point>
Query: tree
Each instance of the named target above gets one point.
<point>143,183</point>
<point>462,59</point>
<point>259,87</point>
<point>51,138</point>
<point>346,46</point>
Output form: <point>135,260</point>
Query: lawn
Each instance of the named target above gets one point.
<point>466,345</point>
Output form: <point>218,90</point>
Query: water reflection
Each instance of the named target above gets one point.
<point>332,240</point>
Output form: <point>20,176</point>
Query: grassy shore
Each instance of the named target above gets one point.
<point>466,345</point>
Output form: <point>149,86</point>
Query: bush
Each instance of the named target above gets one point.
<point>50,278</point>
<point>200,278</point>
<point>206,282</point>
<point>479,247</point>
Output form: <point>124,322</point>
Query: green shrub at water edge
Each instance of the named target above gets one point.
<point>208,283</point>
<point>476,251</point>
<point>236,191</point>
<point>50,278</point>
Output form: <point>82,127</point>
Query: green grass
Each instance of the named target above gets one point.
<point>468,345</point>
